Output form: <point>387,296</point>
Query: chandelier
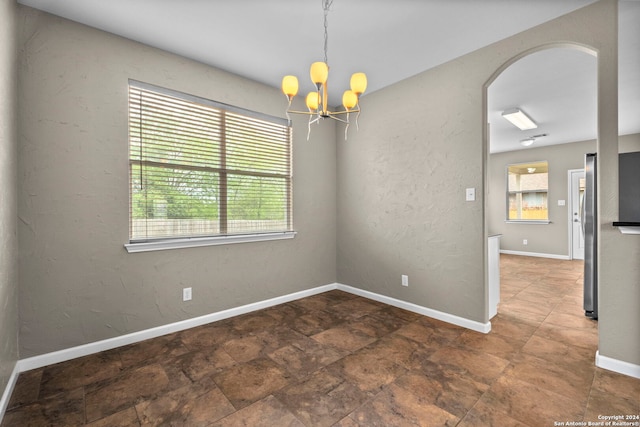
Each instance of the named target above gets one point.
<point>317,101</point>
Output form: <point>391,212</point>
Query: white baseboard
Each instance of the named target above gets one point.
<point>618,366</point>
<point>111,343</point>
<point>35,362</point>
<point>485,328</point>
<point>535,254</point>
<point>6,396</point>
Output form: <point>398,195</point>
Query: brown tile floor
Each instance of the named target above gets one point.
<point>338,359</point>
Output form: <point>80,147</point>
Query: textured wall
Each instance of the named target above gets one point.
<point>401,179</point>
<point>546,239</point>
<point>551,239</point>
<point>400,197</point>
<point>8,194</point>
<point>401,193</point>
<point>629,143</point>
<point>619,269</point>
<point>78,284</point>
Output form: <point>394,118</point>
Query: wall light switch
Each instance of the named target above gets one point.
<point>561,202</point>
<point>471,194</point>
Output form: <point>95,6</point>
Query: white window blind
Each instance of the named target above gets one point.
<point>200,168</point>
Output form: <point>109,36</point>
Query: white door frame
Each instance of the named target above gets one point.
<point>571,208</point>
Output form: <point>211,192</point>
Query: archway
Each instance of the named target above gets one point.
<point>556,85</point>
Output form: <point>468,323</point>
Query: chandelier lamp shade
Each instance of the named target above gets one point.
<point>318,101</point>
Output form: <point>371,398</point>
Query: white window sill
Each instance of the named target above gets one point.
<point>160,245</point>
<point>528,221</point>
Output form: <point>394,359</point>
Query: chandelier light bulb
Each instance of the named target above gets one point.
<point>359,83</point>
<point>349,99</point>
<point>313,101</point>
<point>290,86</point>
<point>319,73</point>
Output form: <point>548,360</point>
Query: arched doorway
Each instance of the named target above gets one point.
<point>556,85</point>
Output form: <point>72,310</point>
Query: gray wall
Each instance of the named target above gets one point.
<point>629,143</point>
<point>401,182</point>
<point>77,282</point>
<point>400,193</point>
<point>549,239</point>
<point>8,194</point>
<point>619,264</point>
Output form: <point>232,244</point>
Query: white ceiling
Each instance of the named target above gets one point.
<point>557,88</point>
<point>390,41</point>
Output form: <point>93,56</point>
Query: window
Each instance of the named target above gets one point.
<point>527,188</point>
<point>199,168</point>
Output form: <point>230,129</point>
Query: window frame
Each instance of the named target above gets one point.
<point>173,242</point>
<point>509,193</point>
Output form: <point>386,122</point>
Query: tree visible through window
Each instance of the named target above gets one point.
<point>200,168</point>
<point>527,188</point>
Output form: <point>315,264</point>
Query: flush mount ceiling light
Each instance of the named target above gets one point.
<point>317,101</point>
<point>519,119</point>
<point>528,141</point>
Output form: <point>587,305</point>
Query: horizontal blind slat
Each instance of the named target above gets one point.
<point>176,148</point>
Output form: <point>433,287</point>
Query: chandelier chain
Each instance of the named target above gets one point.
<point>326,7</point>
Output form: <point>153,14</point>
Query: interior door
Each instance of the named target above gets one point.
<point>577,232</point>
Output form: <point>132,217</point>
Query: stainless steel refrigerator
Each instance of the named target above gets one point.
<point>590,228</point>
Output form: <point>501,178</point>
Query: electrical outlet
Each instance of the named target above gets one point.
<point>186,294</point>
<point>405,280</point>
<point>525,242</point>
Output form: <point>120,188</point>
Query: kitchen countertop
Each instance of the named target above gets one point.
<point>628,227</point>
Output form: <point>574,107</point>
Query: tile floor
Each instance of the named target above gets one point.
<point>338,359</point>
